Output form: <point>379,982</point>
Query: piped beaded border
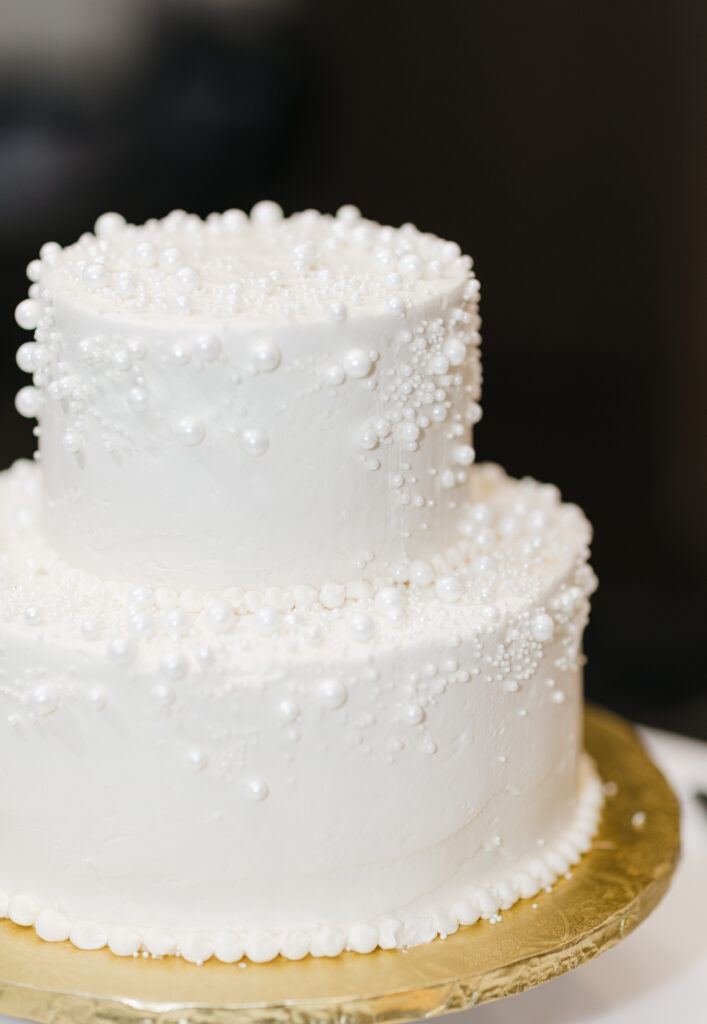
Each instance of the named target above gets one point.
<point>260,946</point>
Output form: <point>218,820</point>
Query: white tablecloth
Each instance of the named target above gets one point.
<point>658,975</point>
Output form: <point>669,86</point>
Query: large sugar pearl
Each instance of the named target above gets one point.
<point>256,789</point>
<point>108,224</point>
<point>26,356</point>
<point>190,430</point>
<point>254,441</point>
<point>28,401</point>
<point>412,267</point>
<point>357,363</point>
<point>174,665</point>
<point>146,254</point>
<point>543,628</point>
<point>208,346</point>
<point>421,573</point>
<point>95,274</point>
<point>221,616</point>
<point>266,212</point>
<point>34,270</point>
<point>464,454</point>
<point>455,351</point>
<point>332,693</point>
<point>45,698</point>
<point>348,213</point>
<point>449,588</point>
<point>27,314</point>
<point>72,441</point>
<point>265,355</point>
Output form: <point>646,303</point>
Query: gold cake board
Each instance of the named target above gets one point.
<point>616,885</point>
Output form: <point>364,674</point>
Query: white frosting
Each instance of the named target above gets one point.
<point>281,670</point>
<point>299,758</point>
<point>323,366</point>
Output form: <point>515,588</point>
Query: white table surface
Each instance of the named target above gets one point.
<point>658,975</point>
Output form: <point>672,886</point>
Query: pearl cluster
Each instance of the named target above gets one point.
<point>513,538</point>
<point>264,266</point>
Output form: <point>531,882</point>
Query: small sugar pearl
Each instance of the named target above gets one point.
<point>412,266</point>
<point>44,698</point>
<point>268,620</point>
<point>95,274</point>
<point>438,365</point>
<point>361,626</point>
<point>449,588</point>
<point>174,665</point>
<point>358,363</point>
<point>421,573</point>
<point>414,714</point>
<point>543,627</point>
<point>265,355</point>
<point>164,693</point>
<point>72,441</point>
<point>121,650</point>
<point>172,257</point>
<point>332,595</point>
<point>455,351</point>
<point>368,438</point>
<point>208,346</point>
<point>334,375</point>
<point>256,789</point>
<point>138,399</point>
<point>97,697</point>
<point>332,693</point>
<point>338,311</point>
<point>197,758</point>
<point>221,616</point>
<point>409,431</point>
<point>639,819</point>
<point>191,430</point>
<point>146,254</point>
<point>464,454</point>
<point>288,710</point>
<point>254,441</point>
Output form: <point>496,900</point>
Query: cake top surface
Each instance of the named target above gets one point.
<point>261,268</point>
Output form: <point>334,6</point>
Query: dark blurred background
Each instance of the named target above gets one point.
<point>563,146</point>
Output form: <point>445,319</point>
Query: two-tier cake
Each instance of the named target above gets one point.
<point>281,670</point>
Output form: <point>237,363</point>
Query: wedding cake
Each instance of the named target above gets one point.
<point>282,670</point>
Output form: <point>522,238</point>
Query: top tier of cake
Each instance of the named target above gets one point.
<point>254,401</point>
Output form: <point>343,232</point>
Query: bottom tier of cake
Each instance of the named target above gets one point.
<point>294,773</point>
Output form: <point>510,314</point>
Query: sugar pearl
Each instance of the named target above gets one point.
<point>27,314</point>
<point>256,789</point>
<point>543,627</point>
<point>265,355</point>
<point>421,573</point>
<point>332,693</point>
<point>28,401</point>
<point>191,430</point>
<point>254,441</point>
<point>358,363</point>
